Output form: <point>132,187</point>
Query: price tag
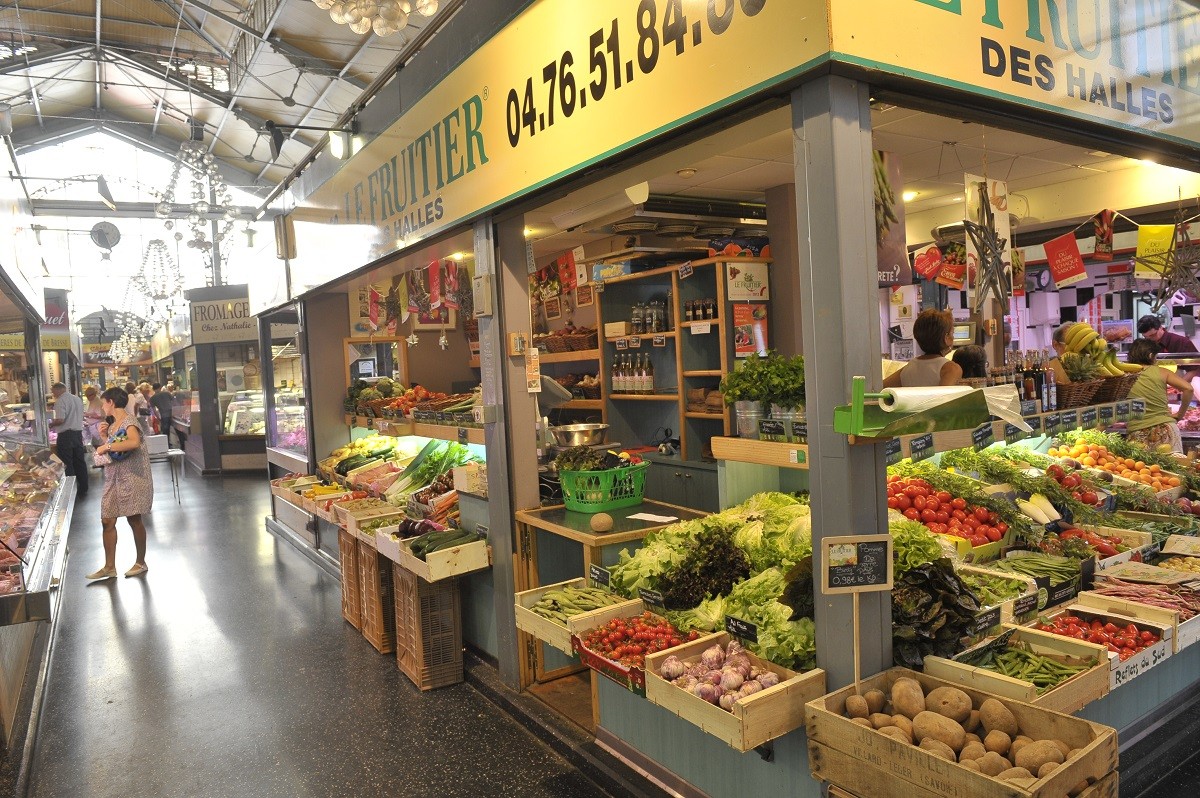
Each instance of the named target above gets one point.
<point>1106,416</point>
<point>984,621</point>
<point>635,343</point>
<point>659,340</point>
<point>743,629</point>
<point>599,575</point>
<point>622,343</point>
<point>1025,605</point>
<point>921,447</point>
<point>891,452</point>
<point>1087,418</point>
<point>800,433</point>
<point>462,435</point>
<point>1035,425</point>
<point>770,429</point>
<point>1028,407</point>
<point>685,270</point>
<point>652,598</point>
<point>1070,419</point>
<point>701,329</point>
<point>982,437</point>
<point>1137,407</point>
<point>1052,422</point>
<point>856,563</point>
<point>1013,433</point>
<point>1180,544</point>
<point>1122,411</point>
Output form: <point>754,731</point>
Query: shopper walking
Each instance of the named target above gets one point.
<point>68,422</point>
<point>93,414</point>
<point>128,485</point>
<point>1157,427</point>
<point>160,402</point>
<point>934,331</point>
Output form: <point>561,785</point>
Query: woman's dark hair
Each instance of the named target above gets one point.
<point>973,360</point>
<point>117,396</point>
<point>1143,351</point>
<point>931,328</point>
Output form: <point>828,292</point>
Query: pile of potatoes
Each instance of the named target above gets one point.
<point>947,724</point>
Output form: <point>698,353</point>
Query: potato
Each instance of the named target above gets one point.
<point>971,737</point>
<point>971,751</point>
<point>904,723</point>
<point>1019,742</point>
<point>972,721</point>
<point>949,702</point>
<point>879,720</point>
<point>941,728</point>
<point>1046,769</point>
<point>1014,773</point>
<point>938,748</point>
<point>897,733</point>
<point>1074,752</point>
<point>970,764</point>
<point>907,697</point>
<point>875,700</point>
<point>993,764</point>
<point>1066,749</point>
<point>997,741</point>
<point>862,722</point>
<point>1078,788</point>
<point>994,715</point>
<point>856,707</point>
<point>1033,756</point>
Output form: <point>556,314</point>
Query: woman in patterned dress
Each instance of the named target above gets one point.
<point>128,487</point>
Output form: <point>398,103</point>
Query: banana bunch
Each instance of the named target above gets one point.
<point>558,605</point>
<point>368,445</point>
<point>1083,339</point>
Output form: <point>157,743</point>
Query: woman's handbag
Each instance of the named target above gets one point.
<point>100,460</point>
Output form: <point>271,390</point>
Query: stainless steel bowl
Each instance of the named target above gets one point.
<point>580,434</point>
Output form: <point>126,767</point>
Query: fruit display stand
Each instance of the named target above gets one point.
<point>754,720</point>
<point>1069,696</point>
<point>1184,632</point>
<point>870,764</point>
<point>1124,671</point>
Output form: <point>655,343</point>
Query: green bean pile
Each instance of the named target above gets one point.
<point>1058,569</point>
<point>1044,673</point>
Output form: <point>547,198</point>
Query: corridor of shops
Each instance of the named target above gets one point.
<point>228,670</point>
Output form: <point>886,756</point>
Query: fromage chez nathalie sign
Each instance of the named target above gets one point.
<point>222,316</point>
<point>1108,54</point>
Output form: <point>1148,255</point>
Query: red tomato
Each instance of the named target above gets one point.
<point>958,513</point>
<point>931,503</point>
<point>944,497</point>
<point>943,517</point>
<point>971,522</point>
<point>893,503</point>
<point>918,502</point>
<point>929,516</point>
<point>978,540</point>
<point>994,534</point>
<point>911,513</point>
<point>981,513</point>
<point>958,504</point>
<point>1003,527</point>
<point>903,501</point>
<point>1089,497</point>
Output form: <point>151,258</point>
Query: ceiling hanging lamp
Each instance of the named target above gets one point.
<point>384,17</point>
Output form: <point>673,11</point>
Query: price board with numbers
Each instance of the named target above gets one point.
<point>856,563</point>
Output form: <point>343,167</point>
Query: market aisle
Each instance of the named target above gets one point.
<point>228,670</point>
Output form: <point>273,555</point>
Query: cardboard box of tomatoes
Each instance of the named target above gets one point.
<point>1135,645</point>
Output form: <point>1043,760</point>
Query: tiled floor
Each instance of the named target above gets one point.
<point>228,671</point>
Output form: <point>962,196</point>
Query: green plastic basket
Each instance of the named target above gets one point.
<point>598,491</point>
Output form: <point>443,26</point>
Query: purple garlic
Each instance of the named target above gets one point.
<point>713,657</point>
<point>727,700</point>
<point>672,668</point>
<point>709,692</point>
<point>731,680</point>
<point>768,679</point>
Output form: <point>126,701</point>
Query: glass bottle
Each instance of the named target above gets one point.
<point>1049,391</point>
<point>617,379</point>
<point>689,310</point>
<point>648,376</point>
<point>1027,382</point>
<point>638,318</point>
<point>710,308</point>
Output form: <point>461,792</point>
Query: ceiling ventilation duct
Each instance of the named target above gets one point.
<point>637,211</point>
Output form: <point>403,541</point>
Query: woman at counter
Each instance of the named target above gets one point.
<point>1158,427</point>
<point>933,331</point>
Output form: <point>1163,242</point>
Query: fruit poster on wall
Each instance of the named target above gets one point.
<point>567,276</point>
<point>890,250</point>
<point>749,329</point>
<point>747,281</point>
<point>953,270</point>
<point>1066,264</point>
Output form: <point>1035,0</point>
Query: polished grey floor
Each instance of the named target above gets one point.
<point>228,671</point>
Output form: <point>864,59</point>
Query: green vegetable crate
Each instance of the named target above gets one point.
<point>446,563</point>
<point>1069,696</point>
<point>601,491</point>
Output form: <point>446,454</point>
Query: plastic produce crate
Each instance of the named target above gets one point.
<point>600,491</point>
<point>429,646</point>
<point>375,593</point>
<point>348,554</point>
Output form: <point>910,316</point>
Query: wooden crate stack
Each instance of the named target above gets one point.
<point>351,602</point>
<point>375,593</point>
<point>428,630</point>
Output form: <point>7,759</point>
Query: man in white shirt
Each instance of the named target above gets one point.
<point>68,421</point>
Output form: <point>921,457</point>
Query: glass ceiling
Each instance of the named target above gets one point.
<point>72,261</point>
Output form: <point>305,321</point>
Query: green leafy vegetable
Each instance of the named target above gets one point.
<point>931,610</point>
<point>913,545</point>
<point>712,567</point>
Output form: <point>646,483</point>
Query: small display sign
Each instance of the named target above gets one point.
<point>984,621</point>
<point>891,451</point>
<point>921,447</point>
<point>635,342</point>
<point>1070,419</point>
<point>599,575</point>
<point>685,269</point>
<point>742,629</point>
<point>1122,411</point>
<point>652,597</point>
<point>1088,418</point>
<point>659,340</point>
<point>1013,433</point>
<point>856,563</point>
<point>1035,425</point>
<point>1052,423</point>
<point>622,343</point>
<point>982,437</point>
<point>1106,416</point>
<point>1137,407</point>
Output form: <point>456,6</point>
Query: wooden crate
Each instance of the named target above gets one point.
<point>631,678</point>
<point>429,646</point>
<point>1140,543</point>
<point>870,764</point>
<point>1121,673</point>
<point>1069,697</point>
<point>1104,788</point>
<point>989,619</point>
<point>439,565</point>
<point>375,592</point>
<point>1185,633</point>
<point>351,602</point>
<point>548,631</point>
<point>755,719</point>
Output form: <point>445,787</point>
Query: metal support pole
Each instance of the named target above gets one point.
<point>834,223</point>
<point>216,242</point>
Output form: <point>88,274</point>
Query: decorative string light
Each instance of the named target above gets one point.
<point>206,185</point>
<point>384,17</point>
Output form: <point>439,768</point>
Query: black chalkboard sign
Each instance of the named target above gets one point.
<point>1052,422</point>
<point>891,452</point>
<point>1122,411</point>
<point>599,574</point>
<point>984,621</point>
<point>1070,419</point>
<point>1088,418</point>
<point>743,629</point>
<point>1025,604</point>
<point>1013,433</point>
<point>770,429</point>
<point>1106,416</point>
<point>1137,407</point>
<point>921,447</point>
<point>1028,407</point>
<point>1035,425</point>
<point>652,598</point>
<point>799,432</point>
<point>982,437</point>
<point>856,564</point>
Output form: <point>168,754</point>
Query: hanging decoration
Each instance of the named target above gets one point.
<point>208,195</point>
<point>1177,265</point>
<point>384,17</point>
<point>993,278</point>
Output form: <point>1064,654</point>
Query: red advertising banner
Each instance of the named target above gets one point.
<point>749,329</point>
<point>1103,224</point>
<point>928,262</point>
<point>435,283</point>
<point>373,308</point>
<point>1066,264</point>
<point>953,271</point>
<point>567,276</point>
<point>451,277</point>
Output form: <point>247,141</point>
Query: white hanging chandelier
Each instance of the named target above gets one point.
<point>385,17</point>
<point>209,194</point>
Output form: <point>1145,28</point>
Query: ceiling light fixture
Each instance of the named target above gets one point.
<point>687,173</point>
<point>384,17</point>
<point>909,196</point>
<point>210,199</point>
<point>275,137</point>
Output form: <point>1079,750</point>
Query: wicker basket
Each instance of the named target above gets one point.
<point>556,343</point>
<point>590,391</point>
<point>583,340</point>
<point>1076,394</point>
<point>375,597</point>
<point>1114,389</point>
<point>429,647</point>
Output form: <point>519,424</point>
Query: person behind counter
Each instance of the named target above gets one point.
<point>933,331</point>
<point>1157,427</point>
<point>1058,342</point>
<point>972,360</point>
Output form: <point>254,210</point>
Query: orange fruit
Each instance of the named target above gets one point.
<point>1154,468</point>
<point>1174,482</point>
<point>1088,460</point>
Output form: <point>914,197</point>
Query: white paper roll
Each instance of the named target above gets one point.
<point>914,400</point>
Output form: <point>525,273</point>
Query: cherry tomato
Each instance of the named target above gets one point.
<point>981,513</point>
<point>978,540</point>
<point>944,497</point>
<point>903,501</point>
<point>928,516</point>
<point>893,503</point>
<point>919,502</point>
<point>958,504</point>
<point>1003,527</point>
<point>913,514</point>
<point>994,534</point>
<point>943,517</point>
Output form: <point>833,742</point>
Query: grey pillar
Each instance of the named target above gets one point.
<point>785,275</point>
<point>839,312</point>
<point>512,454</point>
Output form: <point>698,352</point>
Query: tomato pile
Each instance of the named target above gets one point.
<point>1080,491</point>
<point>942,513</point>
<point>1105,545</point>
<point>1124,641</point>
<point>629,640</point>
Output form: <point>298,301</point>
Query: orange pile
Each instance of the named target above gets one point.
<point>1092,456</point>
